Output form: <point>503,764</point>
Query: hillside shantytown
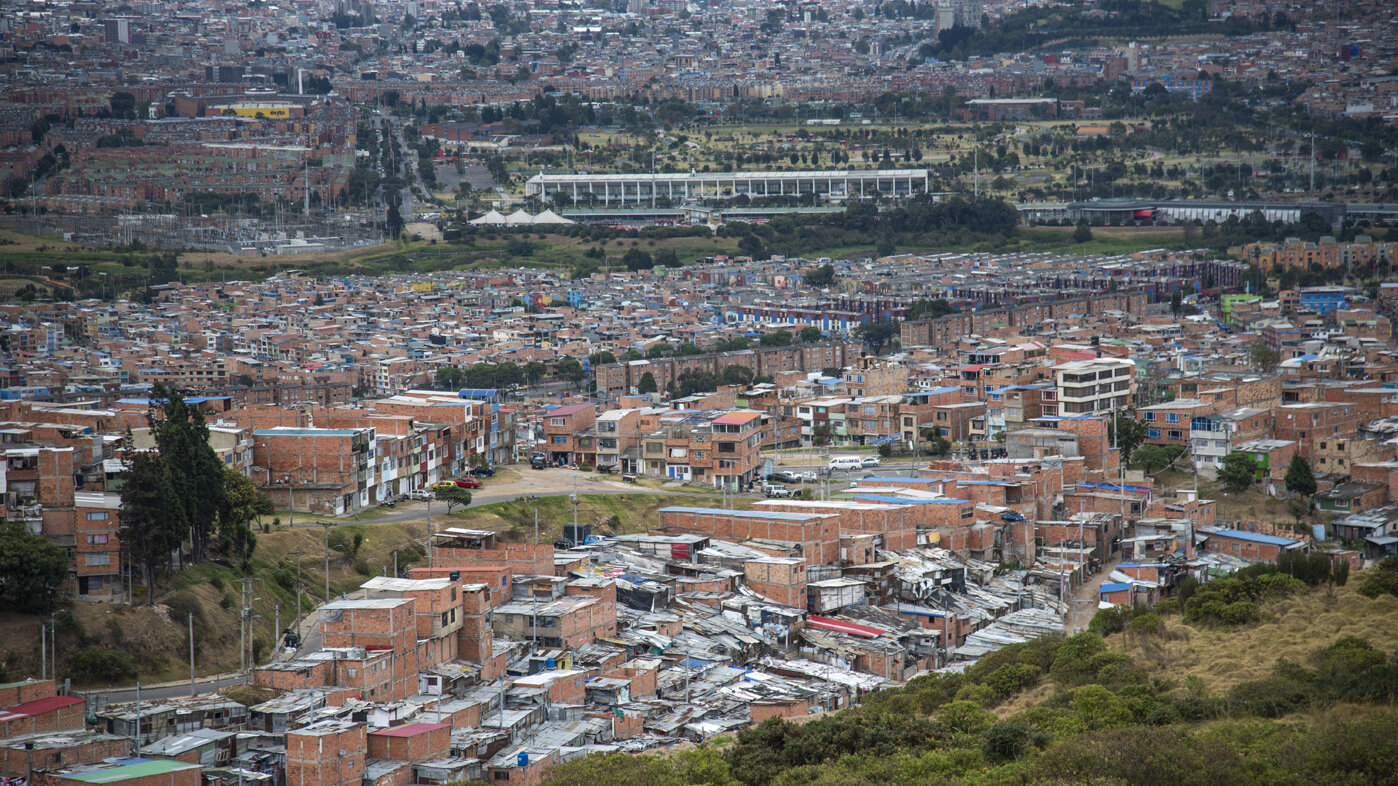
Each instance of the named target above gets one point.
<point>497,658</point>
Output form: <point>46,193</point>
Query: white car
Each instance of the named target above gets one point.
<point>869,461</point>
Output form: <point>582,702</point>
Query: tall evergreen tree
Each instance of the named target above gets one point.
<point>1299,478</point>
<point>151,525</point>
<point>195,471</point>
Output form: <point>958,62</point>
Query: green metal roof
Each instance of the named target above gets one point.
<point>136,768</point>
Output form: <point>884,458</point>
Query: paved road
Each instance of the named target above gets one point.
<point>169,690</point>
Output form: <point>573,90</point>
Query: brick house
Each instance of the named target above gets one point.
<point>563,427</point>
<point>1251,545</point>
<point>327,753</point>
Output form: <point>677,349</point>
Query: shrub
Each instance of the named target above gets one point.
<point>1270,698</point>
<point>1382,579</point>
<point>97,664</point>
<point>1147,624</point>
<point>1013,678</point>
<point>1005,741</point>
<point>1072,664</point>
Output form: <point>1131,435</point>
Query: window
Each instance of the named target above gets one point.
<point>560,440</point>
<point>96,540</point>
<point>1172,417</point>
<point>1150,417</point>
<point>1173,434</point>
<point>99,559</point>
<point>99,516</point>
<point>502,775</point>
<point>352,671</point>
<point>558,421</point>
<point>1153,433</point>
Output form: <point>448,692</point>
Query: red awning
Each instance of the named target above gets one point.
<point>845,627</point>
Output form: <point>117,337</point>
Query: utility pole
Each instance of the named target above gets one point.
<point>43,651</point>
<point>191,654</point>
<point>327,561</point>
<point>1312,189</point>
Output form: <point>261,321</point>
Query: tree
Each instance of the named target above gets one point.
<point>659,349</point>
<point>735,374</point>
<point>877,335</point>
<point>150,524</point>
<point>534,371</point>
<point>666,257</point>
<point>1299,478</point>
<point>449,378</point>
<point>646,383</point>
<point>571,370</point>
<point>31,568</point>
<point>1128,434</point>
<point>930,309</point>
<point>603,358</point>
<point>685,349</point>
<point>636,259</point>
<point>781,338</point>
<point>1263,357</point>
<point>195,470</point>
<point>810,334</point>
<point>243,503</point>
<point>1237,472</point>
<point>1083,233</point>
<point>819,277</point>
<point>453,497</point>
<point>1176,302</point>
<point>1153,458</point>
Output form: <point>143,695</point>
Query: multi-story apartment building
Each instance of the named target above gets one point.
<point>567,430</point>
<point>871,377</point>
<point>618,440</point>
<point>326,470</point>
<point>1310,423</point>
<point>718,449</point>
<point>1214,436</point>
<point>1085,387</point>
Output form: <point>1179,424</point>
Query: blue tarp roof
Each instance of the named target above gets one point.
<point>1114,587</point>
<point>1255,537</point>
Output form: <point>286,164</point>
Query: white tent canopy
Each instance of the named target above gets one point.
<point>493,217</point>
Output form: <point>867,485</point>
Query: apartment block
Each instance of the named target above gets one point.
<point>326,470</point>
<point>1085,387</point>
<point>1308,424</point>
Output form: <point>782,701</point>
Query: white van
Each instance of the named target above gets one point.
<point>846,462</point>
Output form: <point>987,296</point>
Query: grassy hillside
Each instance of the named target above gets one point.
<point>1300,697</point>
<point>155,636</point>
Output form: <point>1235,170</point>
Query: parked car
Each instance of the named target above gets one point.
<point>483,472</point>
<point>808,477</point>
<point>775,490</point>
<point>469,482</point>
<point>845,462</point>
<point>869,461</point>
<point>784,476</point>
<point>420,495</point>
<point>538,461</point>
<point>443,485</point>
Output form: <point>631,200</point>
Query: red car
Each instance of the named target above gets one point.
<point>469,483</point>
